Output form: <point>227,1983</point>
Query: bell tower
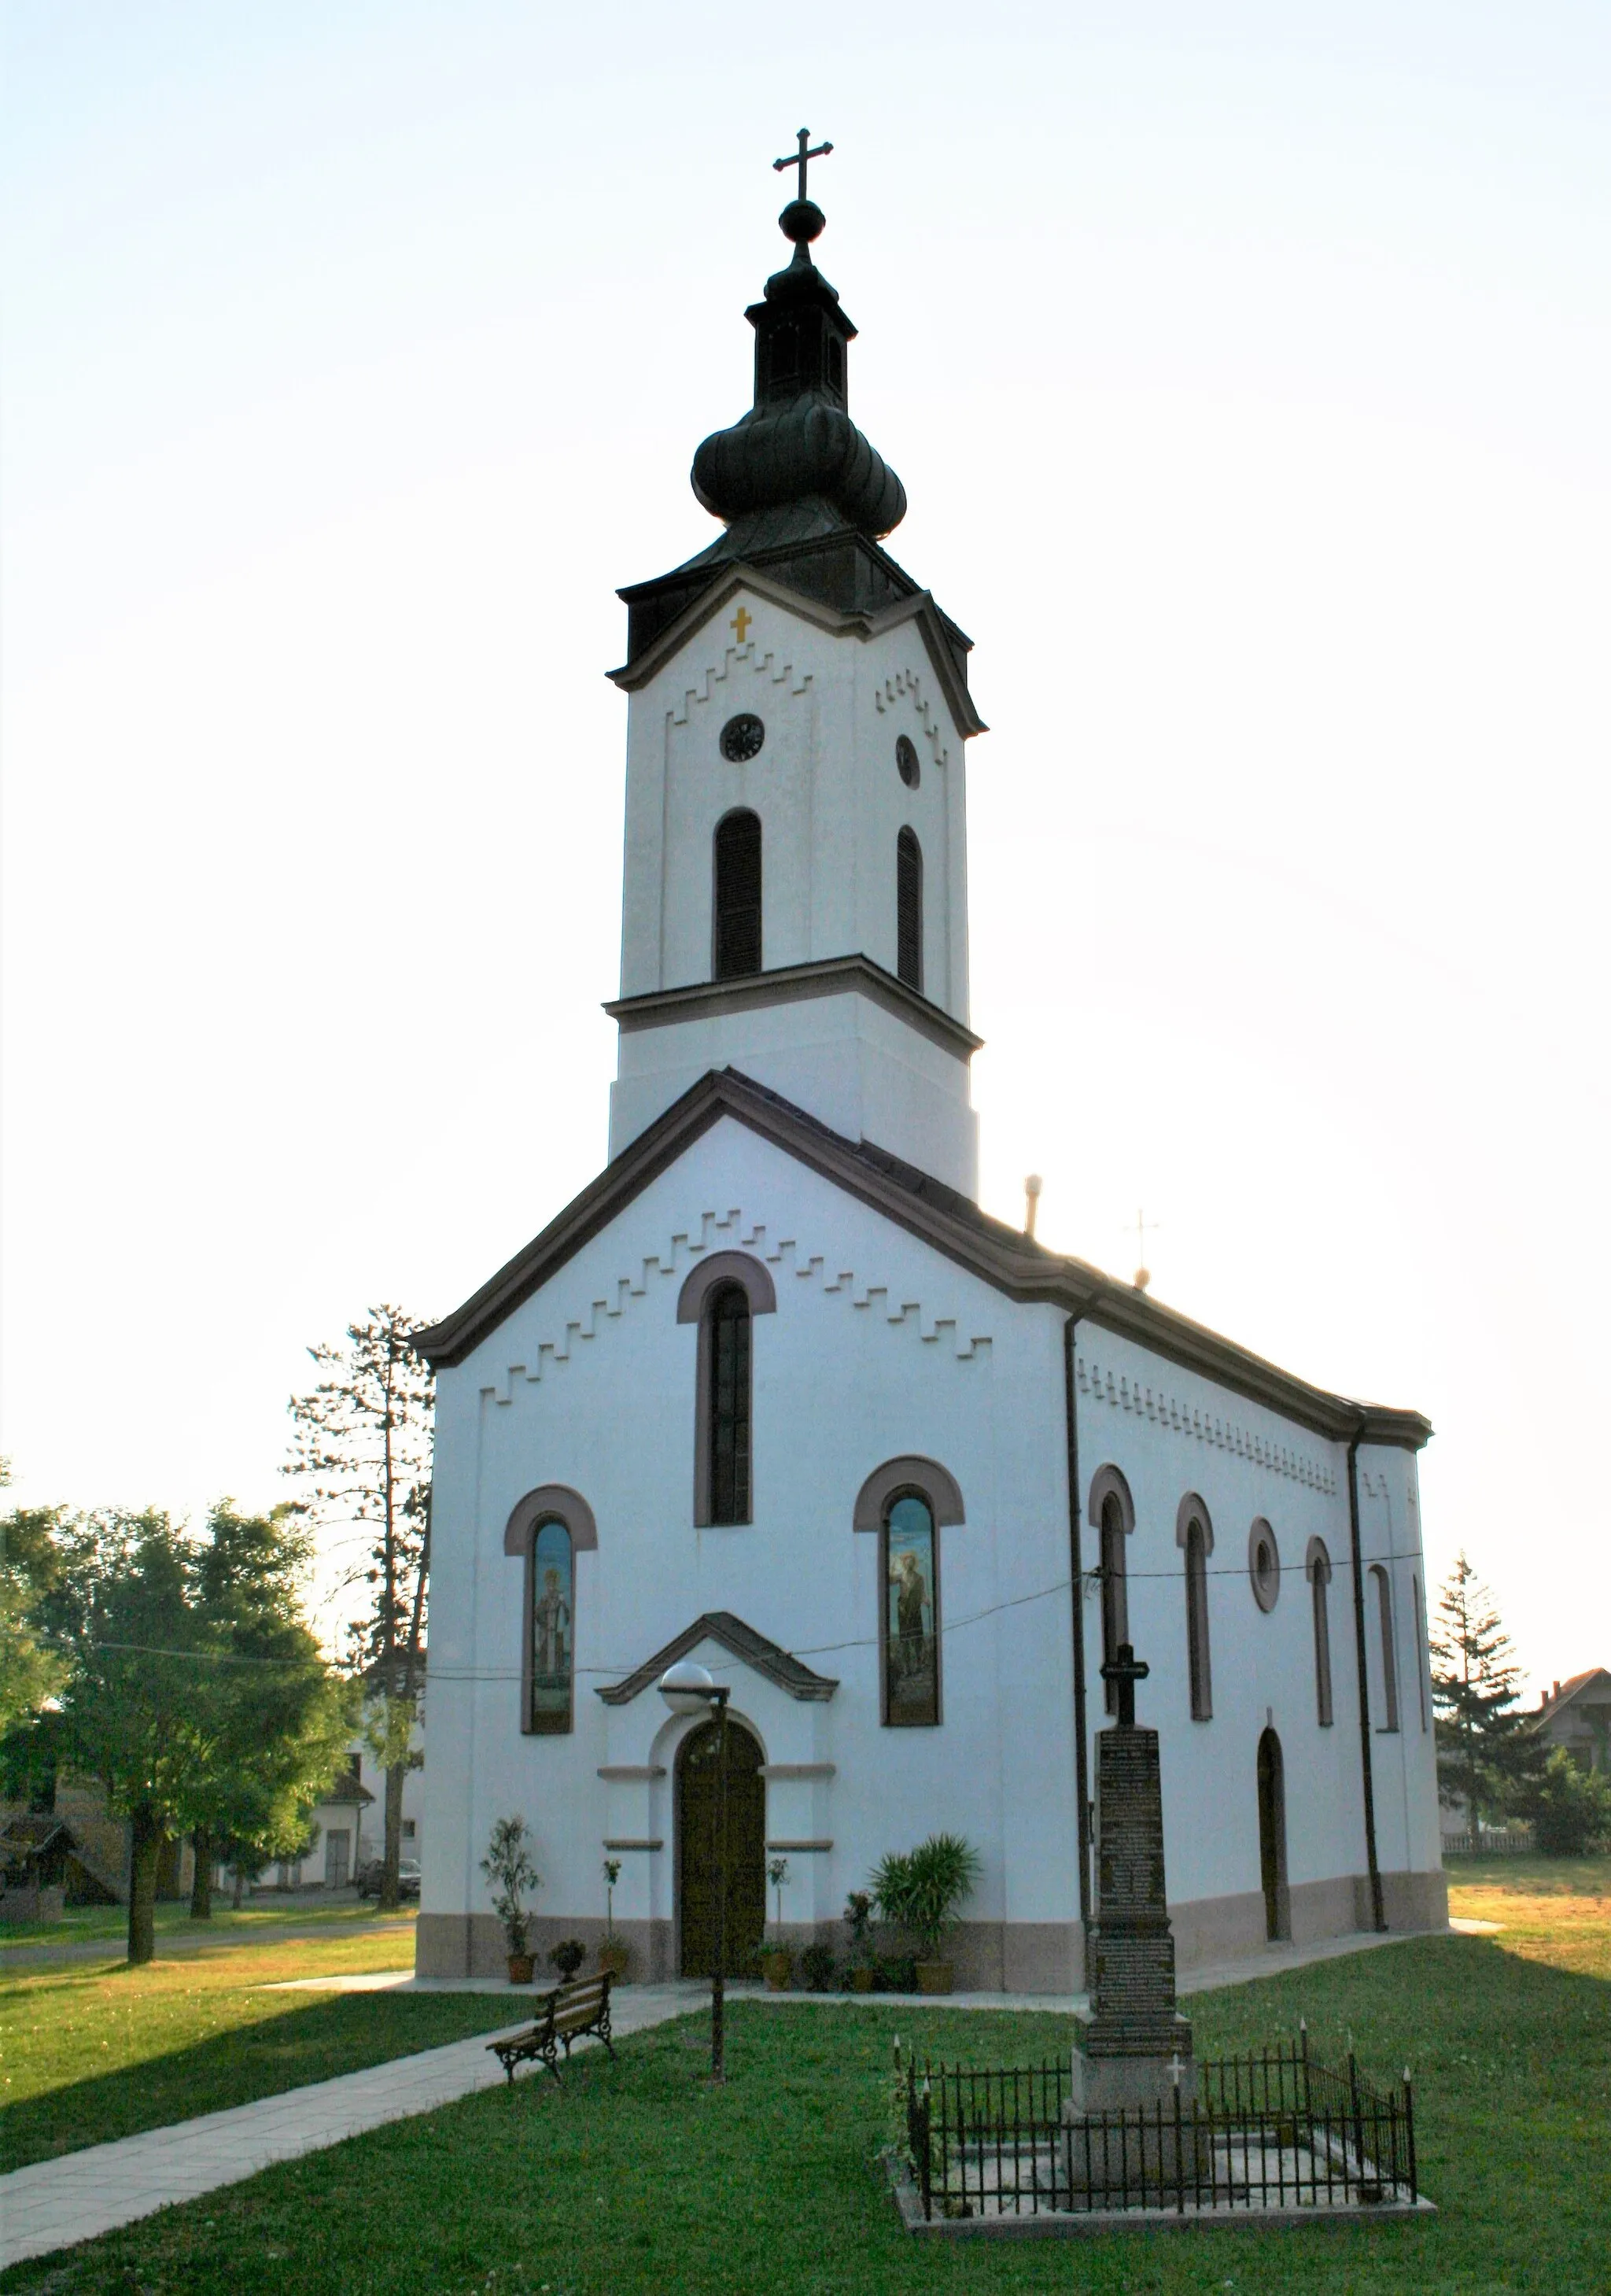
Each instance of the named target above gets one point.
<point>796,878</point>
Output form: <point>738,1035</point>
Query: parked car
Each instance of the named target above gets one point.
<point>408,1878</point>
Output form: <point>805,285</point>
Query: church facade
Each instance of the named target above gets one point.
<point>774,1393</point>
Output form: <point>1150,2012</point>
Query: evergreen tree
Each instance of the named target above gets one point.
<point>1486,1752</point>
<point>362,1445</point>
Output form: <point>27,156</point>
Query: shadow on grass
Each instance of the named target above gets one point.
<point>639,2179</point>
<point>288,2048</point>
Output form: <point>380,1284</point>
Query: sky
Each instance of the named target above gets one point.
<point>1247,370</point>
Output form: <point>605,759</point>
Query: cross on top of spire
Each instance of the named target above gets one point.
<point>802,158</point>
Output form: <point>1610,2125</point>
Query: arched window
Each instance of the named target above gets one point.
<point>1196,1621</point>
<point>736,948</point>
<point>1319,1580</point>
<point>1115,1598</point>
<point>553,1630</point>
<point>1421,1646</point>
<point>549,1528</point>
<point>909,909</point>
<point>910,1633</point>
<point>1383,1604</point>
<point>727,1402</point>
<point>723,1295</point>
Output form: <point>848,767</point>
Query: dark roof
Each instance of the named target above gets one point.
<point>951,1222</point>
<point>757,1652</point>
<point>1555,1700</point>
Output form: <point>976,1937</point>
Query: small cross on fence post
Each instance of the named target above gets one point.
<point>802,157</point>
<point>1126,1670</point>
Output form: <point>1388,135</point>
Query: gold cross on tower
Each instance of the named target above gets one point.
<point>740,624</point>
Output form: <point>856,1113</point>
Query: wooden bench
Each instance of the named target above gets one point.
<point>563,2016</point>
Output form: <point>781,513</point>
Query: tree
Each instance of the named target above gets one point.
<point>1486,1750</point>
<point>198,1694</point>
<point>135,1718</point>
<point>1570,1808</point>
<point>363,1446</point>
<point>281,1719</point>
<point>31,1675</point>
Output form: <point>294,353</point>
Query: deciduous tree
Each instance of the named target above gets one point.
<point>282,1718</point>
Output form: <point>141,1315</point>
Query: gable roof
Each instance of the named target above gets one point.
<point>1000,1256</point>
<point>757,1652</point>
<point>1566,1692</point>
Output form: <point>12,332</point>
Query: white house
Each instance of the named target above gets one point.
<point>776,1392</point>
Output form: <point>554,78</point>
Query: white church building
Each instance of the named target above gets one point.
<point>773,1393</point>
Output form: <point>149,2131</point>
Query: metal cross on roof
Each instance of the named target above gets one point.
<point>802,157</point>
<point>1126,1670</point>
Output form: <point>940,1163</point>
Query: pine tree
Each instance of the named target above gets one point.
<point>362,1442</point>
<point>1486,1752</point>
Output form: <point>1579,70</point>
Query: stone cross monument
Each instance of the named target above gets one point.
<point>1132,2047</point>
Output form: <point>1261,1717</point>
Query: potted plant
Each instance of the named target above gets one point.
<point>568,1957</point>
<point>819,1967</point>
<point>776,1960</point>
<point>858,1915</point>
<point>508,1866</point>
<point>922,1889</point>
<point>614,1955</point>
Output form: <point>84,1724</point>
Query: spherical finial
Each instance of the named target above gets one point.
<point>1143,1277</point>
<point>802,220</point>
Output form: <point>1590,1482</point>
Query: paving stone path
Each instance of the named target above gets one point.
<point>80,2196</point>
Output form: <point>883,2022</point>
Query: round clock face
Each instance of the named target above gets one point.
<point>742,739</point>
<point>906,761</point>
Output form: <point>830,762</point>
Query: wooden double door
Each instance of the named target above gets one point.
<point>698,1805</point>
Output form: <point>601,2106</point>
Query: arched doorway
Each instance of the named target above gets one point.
<point>1272,1837</point>
<point>697,1806</point>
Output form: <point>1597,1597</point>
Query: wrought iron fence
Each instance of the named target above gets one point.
<point>1270,2130</point>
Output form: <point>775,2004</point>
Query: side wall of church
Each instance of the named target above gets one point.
<point>1172,1432</point>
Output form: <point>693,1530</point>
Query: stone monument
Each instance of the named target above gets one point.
<point>1132,2047</point>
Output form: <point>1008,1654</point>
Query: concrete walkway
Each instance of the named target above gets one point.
<point>80,2196</point>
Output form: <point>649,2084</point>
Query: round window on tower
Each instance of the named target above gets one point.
<point>906,761</point>
<point>742,739</point>
<point>1263,1564</point>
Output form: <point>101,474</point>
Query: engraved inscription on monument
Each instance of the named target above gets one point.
<point>1133,2046</point>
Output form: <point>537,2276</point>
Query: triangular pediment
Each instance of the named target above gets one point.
<point>940,1217</point>
<point>755,1651</point>
<point>730,580</point>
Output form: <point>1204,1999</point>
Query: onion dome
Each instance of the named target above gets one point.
<point>797,442</point>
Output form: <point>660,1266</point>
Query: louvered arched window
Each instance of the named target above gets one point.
<point>908,908</point>
<point>736,937</point>
<point>1199,1668</point>
<point>727,1402</point>
<point>1319,1581</point>
<point>1383,1604</point>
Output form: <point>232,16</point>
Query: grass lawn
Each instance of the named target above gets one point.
<point>637,2177</point>
<point>1552,1909</point>
<point>95,2050</point>
<point>109,1924</point>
